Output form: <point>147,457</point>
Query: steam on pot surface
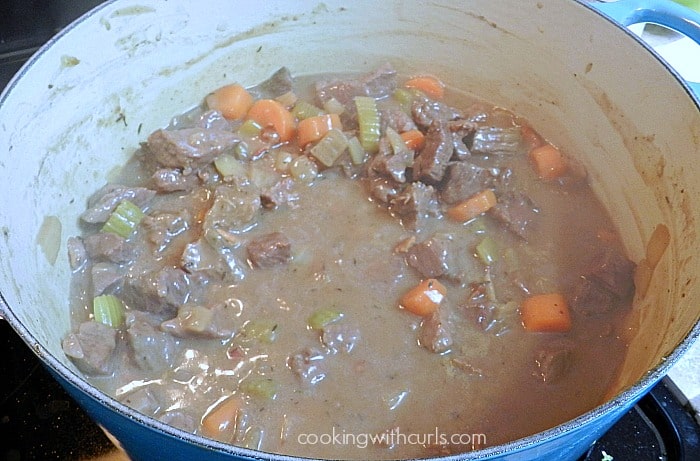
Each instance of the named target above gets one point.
<point>323,265</point>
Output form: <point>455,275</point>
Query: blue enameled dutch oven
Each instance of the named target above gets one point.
<point>581,79</point>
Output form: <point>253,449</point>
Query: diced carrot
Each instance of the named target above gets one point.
<point>424,298</point>
<point>233,101</point>
<point>414,139</point>
<point>431,86</point>
<point>531,138</point>
<point>472,207</point>
<point>545,313</point>
<point>220,422</point>
<point>549,163</point>
<point>314,128</point>
<point>270,113</point>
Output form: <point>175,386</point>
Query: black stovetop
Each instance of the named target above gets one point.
<point>39,421</point>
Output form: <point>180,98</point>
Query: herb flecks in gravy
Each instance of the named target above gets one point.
<point>355,255</point>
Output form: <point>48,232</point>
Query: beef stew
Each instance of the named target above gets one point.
<point>354,267</point>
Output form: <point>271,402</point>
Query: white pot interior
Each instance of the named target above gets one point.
<point>83,105</point>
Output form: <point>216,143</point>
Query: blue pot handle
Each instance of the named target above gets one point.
<point>663,12</point>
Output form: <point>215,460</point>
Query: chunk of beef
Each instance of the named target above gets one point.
<point>613,271</point>
<point>431,162</point>
<point>427,113</point>
<point>482,314</point>
<point>416,202</point>
<point>196,201</point>
<point>213,120</point>
<point>91,348</point>
<point>464,179</point>
<point>194,118</point>
<point>201,256</point>
<point>516,211</point>
<point>553,360</point>
<point>223,263</point>
<point>590,298</point>
<point>429,258</point>
<point>106,276</point>
<point>343,91</point>
<point>159,292</point>
<point>397,120</point>
<point>494,140</point>
<point>189,148</point>
<point>482,307</point>
<point>195,321</point>
<point>172,180</point>
<point>383,189</point>
<point>107,246</point>
<point>152,349</point>
<point>269,250</point>
<point>105,200</point>
<point>209,176</point>
<point>461,130</point>
<point>434,335</point>
<point>308,365</point>
<point>162,228</point>
<point>379,83</point>
<point>339,337</point>
<point>77,254</point>
<point>142,400</point>
<point>276,85</point>
<point>282,192</point>
<point>441,256</point>
<point>389,164</point>
<point>234,210</point>
<point>607,280</point>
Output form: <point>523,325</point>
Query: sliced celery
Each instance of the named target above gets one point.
<point>487,250</point>
<point>109,310</point>
<point>124,219</point>
<point>323,317</point>
<point>404,97</point>
<point>369,122</point>
<point>330,147</point>
<point>264,388</point>
<point>357,153</point>
<point>303,109</point>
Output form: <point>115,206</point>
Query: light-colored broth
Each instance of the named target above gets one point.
<point>346,256</point>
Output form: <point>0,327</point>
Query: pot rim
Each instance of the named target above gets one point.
<point>631,394</point>
<point>692,27</point>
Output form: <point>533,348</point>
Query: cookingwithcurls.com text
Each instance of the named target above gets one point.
<point>392,437</point>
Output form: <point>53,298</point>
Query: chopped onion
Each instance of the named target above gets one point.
<point>49,238</point>
<point>658,242</point>
<point>330,147</point>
